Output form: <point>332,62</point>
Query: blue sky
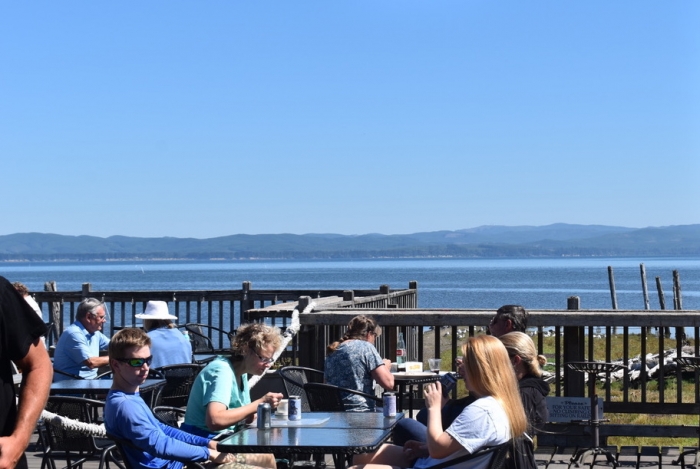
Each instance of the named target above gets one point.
<point>204,119</point>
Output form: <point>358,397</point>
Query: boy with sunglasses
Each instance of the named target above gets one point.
<point>152,444</point>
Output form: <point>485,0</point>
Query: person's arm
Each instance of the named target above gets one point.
<point>37,372</point>
<point>96,362</point>
<point>218,417</point>
<point>440,443</point>
<point>382,375</point>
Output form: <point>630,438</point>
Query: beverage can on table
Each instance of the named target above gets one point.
<point>264,416</point>
<point>389,404</point>
<point>294,408</point>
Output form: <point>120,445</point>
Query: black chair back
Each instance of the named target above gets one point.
<point>178,383</point>
<point>294,379</point>
<point>169,415</point>
<point>498,458</point>
<point>201,334</point>
<point>329,398</point>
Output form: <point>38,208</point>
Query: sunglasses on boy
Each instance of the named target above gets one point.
<point>136,362</point>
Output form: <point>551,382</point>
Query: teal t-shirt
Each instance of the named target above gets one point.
<point>215,383</point>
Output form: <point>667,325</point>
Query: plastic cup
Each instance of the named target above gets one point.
<point>434,364</point>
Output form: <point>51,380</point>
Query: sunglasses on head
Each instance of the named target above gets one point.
<point>136,362</point>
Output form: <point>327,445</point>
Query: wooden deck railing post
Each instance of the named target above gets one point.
<point>574,350</point>
<point>246,302</point>
<point>87,289</point>
<point>313,336</point>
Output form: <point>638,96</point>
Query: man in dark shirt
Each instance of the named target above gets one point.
<point>20,342</point>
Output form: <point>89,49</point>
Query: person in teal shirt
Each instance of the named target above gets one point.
<point>220,397</point>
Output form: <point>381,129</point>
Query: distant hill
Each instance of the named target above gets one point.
<point>557,240</point>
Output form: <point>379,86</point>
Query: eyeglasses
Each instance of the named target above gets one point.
<point>494,320</point>
<point>263,359</point>
<point>101,318</point>
<point>136,362</point>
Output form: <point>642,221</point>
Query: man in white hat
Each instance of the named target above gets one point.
<point>169,346</point>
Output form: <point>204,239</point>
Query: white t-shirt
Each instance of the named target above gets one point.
<point>481,424</point>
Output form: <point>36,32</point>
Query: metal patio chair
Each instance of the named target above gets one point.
<point>329,398</point>
<point>74,446</point>
<point>178,383</point>
<point>294,379</point>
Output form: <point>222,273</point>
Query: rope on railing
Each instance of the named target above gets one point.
<point>76,425</point>
<point>287,337</point>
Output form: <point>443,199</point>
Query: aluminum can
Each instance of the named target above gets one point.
<point>264,416</point>
<point>294,408</point>
<point>389,404</point>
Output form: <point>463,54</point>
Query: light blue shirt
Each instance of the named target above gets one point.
<point>169,346</point>
<point>215,383</point>
<point>75,346</point>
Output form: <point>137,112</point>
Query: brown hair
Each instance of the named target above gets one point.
<point>125,339</point>
<point>254,336</point>
<point>151,324</point>
<point>358,328</point>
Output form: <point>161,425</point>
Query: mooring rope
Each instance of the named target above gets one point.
<point>76,425</point>
<point>287,337</point>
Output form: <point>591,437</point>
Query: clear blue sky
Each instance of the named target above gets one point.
<point>203,119</point>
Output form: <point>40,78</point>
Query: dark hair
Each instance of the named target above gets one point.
<point>517,315</point>
<point>358,328</point>
<point>151,324</point>
<point>254,336</point>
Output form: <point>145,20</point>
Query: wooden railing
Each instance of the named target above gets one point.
<point>223,309</point>
<point>573,334</point>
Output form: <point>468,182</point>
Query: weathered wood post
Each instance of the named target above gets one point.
<point>662,305</point>
<point>246,302</point>
<point>54,315</point>
<point>613,292</point>
<point>678,303</point>
<point>574,350</point>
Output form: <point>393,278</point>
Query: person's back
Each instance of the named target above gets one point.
<point>170,347</point>
<point>350,367</point>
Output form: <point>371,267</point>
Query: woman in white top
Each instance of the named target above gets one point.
<point>495,417</point>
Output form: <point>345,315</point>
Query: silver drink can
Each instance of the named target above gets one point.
<point>389,404</point>
<point>294,408</point>
<point>264,416</point>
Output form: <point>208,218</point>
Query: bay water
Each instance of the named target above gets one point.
<point>442,283</point>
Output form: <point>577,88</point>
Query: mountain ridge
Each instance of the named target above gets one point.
<point>555,240</point>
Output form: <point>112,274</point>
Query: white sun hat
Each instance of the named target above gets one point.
<point>156,310</point>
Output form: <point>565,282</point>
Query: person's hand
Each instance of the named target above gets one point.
<point>415,449</point>
<point>221,458</point>
<point>212,445</point>
<point>10,452</point>
<point>272,398</point>
<point>433,395</point>
<point>387,363</point>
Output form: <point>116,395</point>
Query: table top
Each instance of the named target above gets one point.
<point>319,440</point>
<point>372,420</point>
<point>87,386</point>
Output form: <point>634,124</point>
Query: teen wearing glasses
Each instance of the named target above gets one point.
<point>353,362</point>
<point>78,349</point>
<point>152,443</point>
<point>220,397</point>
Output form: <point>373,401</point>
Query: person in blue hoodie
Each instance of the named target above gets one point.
<point>152,444</point>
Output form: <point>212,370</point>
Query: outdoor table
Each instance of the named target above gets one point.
<point>95,386</point>
<point>375,420</point>
<point>283,441</point>
<point>403,381</point>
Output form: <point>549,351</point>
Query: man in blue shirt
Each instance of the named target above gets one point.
<point>78,349</point>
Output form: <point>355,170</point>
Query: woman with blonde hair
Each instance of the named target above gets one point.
<point>527,365</point>
<point>495,417</point>
<point>354,363</point>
